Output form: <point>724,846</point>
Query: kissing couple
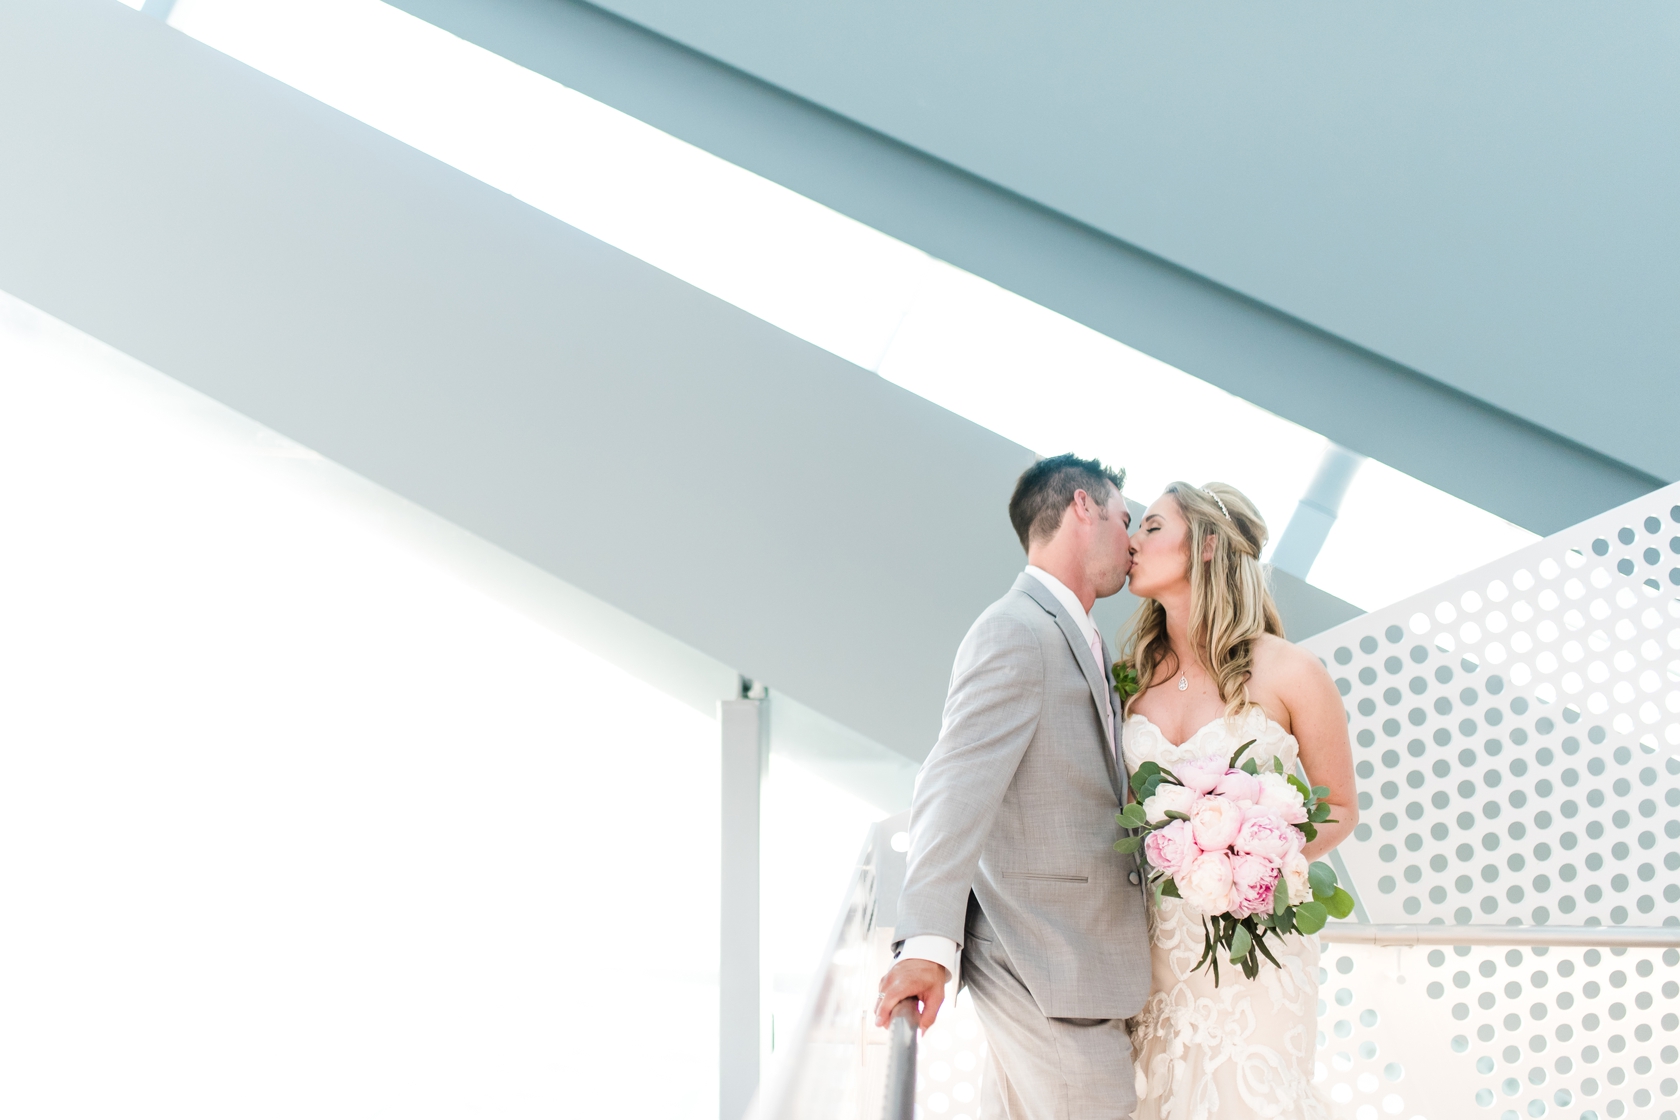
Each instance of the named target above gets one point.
<point>1087,989</point>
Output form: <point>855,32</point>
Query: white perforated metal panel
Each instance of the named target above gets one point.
<point>1448,1032</point>
<point>1514,737</point>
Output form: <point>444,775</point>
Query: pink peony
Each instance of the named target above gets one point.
<point>1201,774</point>
<point>1168,796</point>
<point>1239,785</point>
<point>1205,884</point>
<point>1216,822</point>
<point>1265,833</point>
<point>1295,877</point>
<point>1253,881</point>
<point>1171,849</point>
<point>1277,793</point>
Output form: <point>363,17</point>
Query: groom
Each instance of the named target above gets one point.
<point>1012,859</point>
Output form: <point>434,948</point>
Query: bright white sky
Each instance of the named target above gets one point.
<point>966,344</point>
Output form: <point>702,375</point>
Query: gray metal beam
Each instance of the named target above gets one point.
<point>1358,398</point>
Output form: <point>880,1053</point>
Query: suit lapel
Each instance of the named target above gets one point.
<point>1095,677</point>
<point>1112,757</point>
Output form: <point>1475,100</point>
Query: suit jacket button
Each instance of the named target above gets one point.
<point>1133,876</point>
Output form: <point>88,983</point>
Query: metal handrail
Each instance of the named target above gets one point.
<point>1612,937</point>
<point>900,1097</point>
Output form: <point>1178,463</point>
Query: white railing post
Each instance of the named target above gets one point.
<point>743,726</point>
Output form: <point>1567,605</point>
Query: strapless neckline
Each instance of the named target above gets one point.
<point>1191,737</point>
<point>1147,742</point>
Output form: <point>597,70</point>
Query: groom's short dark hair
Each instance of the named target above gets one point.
<point>1046,489</point>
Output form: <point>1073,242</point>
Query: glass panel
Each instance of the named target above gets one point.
<point>811,832</point>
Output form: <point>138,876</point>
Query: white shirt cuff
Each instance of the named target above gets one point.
<point>931,947</point>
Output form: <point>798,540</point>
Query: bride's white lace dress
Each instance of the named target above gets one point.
<point>1246,1047</point>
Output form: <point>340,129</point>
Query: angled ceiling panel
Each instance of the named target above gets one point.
<point>1484,194</point>
<point>1207,191</point>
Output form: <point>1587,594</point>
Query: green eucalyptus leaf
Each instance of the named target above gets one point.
<point>1238,753</point>
<point>1169,889</point>
<point>1311,916</point>
<point>1128,844</point>
<point>1323,880</point>
<point>1280,896</point>
<point>1241,943</point>
<point>1340,903</point>
<point>1249,766</point>
<point>1320,813</point>
<point>1260,944</point>
<point>1321,792</point>
<point>1175,815</point>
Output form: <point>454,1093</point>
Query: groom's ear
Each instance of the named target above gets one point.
<point>1080,506</point>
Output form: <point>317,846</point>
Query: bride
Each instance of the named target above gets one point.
<point>1214,672</point>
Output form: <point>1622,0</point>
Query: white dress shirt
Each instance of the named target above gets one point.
<point>942,950</point>
<point>1081,617</point>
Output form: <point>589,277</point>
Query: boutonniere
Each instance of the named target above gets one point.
<point>1125,680</point>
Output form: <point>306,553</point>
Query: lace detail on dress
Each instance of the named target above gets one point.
<point>1244,1048</point>
<point>1144,742</point>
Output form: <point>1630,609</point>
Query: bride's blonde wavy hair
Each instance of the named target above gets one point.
<point>1230,598</point>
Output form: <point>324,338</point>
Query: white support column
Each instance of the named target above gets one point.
<point>744,726</point>
<point>1307,531</point>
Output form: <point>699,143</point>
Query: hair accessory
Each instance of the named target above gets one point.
<point>1221,505</point>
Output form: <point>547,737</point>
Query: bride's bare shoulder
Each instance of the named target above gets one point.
<point>1284,663</point>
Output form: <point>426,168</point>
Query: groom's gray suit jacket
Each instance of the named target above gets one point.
<point>1016,804</point>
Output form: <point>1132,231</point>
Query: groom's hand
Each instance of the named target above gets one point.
<point>912,978</point>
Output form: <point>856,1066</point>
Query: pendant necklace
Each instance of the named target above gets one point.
<point>1183,681</point>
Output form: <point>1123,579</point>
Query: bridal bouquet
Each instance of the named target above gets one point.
<point>1227,839</point>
